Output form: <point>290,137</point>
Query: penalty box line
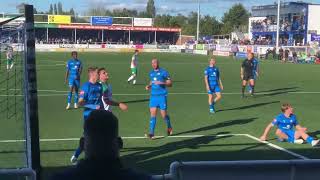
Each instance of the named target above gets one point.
<point>181,136</point>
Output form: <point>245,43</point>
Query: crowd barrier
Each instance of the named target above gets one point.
<point>244,170</point>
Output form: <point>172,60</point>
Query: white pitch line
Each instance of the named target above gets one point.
<point>277,147</point>
<point>177,136</point>
<point>174,93</point>
<point>126,137</point>
<point>147,94</point>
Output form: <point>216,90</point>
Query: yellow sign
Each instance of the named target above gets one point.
<point>59,19</point>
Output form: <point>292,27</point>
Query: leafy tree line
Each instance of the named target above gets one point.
<point>236,18</point>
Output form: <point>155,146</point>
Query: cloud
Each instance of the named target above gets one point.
<point>165,9</point>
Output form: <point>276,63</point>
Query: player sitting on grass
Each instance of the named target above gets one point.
<point>289,128</point>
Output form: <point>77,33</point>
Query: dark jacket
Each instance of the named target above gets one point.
<point>99,170</point>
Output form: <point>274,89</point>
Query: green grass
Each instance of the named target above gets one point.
<point>189,112</point>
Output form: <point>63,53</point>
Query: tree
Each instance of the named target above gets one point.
<point>151,9</point>
<point>60,10</point>
<point>50,9</point>
<point>236,18</point>
<point>209,26</point>
<point>55,9</point>
<point>71,12</point>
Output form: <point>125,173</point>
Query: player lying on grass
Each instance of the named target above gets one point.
<point>289,128</point>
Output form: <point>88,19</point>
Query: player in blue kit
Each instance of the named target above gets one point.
<point>90,99</point>
<point>159,81</point>
<point>289,128</point>
<point>256,71</point>
<point>72,78</point>
<point>213,83</point>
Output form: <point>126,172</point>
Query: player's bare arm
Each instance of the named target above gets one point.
<point>81,102</point>
<point>122,106</point>
<point>148,87</point>
<point>266,132</point>
<point>300,128</point>
<point>220,84</point>
<point>66,77</point>
<point>206,82</point>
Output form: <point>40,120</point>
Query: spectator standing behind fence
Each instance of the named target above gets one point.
<point>274,53</point>
<point>101,146</point>
<point>286,55</point>
<point>280,57</point>
<point>294,56</point>
<point>235,50</point>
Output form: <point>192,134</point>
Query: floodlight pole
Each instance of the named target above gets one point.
<point>198,21</point>
<point>278,25</point>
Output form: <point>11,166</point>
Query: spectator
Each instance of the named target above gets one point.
<point>280,57</point>
<point>286,54</point>
<point>294,57</point>
<point>101,146</point>
<point>274,53</point>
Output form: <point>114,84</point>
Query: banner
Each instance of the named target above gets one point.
<point>315,37</point>
<point>104,21</point>
<point>241,55</point>
<point>220,53</point>
<point>142,22</point>
<point>59,19</point>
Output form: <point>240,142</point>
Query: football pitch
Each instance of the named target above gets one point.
<point>230,134</point>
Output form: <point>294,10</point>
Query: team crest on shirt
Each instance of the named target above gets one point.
<point>158,73</point>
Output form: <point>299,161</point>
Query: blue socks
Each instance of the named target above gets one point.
<point>153,122</point>
<point>76,97</point>
<point>211,106</point>
<point>167,119</point>
<point>77,152</point>
<point>69,96</point>
<point>309,140</point>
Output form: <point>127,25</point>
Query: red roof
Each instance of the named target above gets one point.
<point>120,28</point>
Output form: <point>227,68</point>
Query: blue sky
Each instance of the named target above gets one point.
<point>211,7</point>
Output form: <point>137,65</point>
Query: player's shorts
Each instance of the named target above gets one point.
<point>158,102</point>
<point>290,133</point>
<point>9,61</point>
<point>134,71</point>
<point>214,89</point>
<point>74,83</point>
<point>247,77</point>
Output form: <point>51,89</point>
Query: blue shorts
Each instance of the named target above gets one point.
<point>158,102</point>
<point>74,83</point>
<point>290,133</point>
<point>214,89</point>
